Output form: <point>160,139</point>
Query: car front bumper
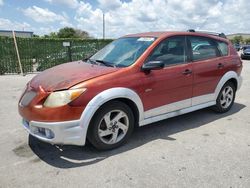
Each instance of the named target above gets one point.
<point>66,132</point>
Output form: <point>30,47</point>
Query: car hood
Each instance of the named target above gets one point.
<point>67,75</point>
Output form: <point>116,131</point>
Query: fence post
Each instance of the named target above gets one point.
<point>17,52</point>
<point>69,53</point>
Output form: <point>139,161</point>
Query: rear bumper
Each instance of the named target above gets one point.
<point>67,132</point>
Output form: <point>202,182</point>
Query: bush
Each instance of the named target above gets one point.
<point>2,70</point>
<point>44,52</point>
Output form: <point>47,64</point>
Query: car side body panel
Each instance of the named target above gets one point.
<point>166,86</point>
<point>207,75</point>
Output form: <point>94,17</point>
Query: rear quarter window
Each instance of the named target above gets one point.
<point>223,48</point>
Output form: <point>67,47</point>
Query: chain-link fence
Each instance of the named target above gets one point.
<point>38,54</point>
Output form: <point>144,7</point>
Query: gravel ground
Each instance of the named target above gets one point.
<point>199,149</point>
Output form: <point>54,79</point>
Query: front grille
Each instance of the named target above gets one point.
<point>27,98</point>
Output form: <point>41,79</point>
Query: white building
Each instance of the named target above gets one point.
<point>24,34</point>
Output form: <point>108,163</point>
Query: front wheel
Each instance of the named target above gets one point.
<point>111,126</point>
<point>225,99</point>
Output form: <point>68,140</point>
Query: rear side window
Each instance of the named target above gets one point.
<point>203,48</point>
<point>223,47</point>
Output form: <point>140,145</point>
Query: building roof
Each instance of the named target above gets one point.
<point>31,32</point>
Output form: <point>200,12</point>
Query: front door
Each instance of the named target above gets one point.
<point>168,89</point>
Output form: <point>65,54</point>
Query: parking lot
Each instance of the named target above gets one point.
<point>199,149</point>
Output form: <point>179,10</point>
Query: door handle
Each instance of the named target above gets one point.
<point>220,65</point>
<point>187,71</point>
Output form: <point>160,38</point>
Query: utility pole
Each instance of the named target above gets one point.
<point>103,26</point>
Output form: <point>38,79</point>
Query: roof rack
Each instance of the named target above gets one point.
<point>222,35</point>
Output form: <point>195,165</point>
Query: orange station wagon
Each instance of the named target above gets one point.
<point>136,80</point>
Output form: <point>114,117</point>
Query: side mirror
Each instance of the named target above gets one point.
<point>152,65</point>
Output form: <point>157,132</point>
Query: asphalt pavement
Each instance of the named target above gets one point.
<point>199,149</point>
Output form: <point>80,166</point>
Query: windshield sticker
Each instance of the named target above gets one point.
<point>146,39</point>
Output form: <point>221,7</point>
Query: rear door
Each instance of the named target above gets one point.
<point>168,89</point>
<point>208,67</point>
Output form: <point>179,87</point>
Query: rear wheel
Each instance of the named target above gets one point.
<point>225,99</point>
<point>111,126</point>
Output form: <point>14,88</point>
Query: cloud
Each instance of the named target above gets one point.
<point>69,3</point>
<point>10,25</point>
<point>128,17</point>
<point>121,18</point>
<point>7,24</point>
<point>89,19</point>
<point>41,15</point>
<point>107,5</point>
<point>1,3</point>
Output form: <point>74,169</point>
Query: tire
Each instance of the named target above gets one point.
<point>225,99</point>
<point>111,126</point>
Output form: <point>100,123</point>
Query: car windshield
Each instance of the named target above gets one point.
<point>246,48</point>
<point>122,52</point>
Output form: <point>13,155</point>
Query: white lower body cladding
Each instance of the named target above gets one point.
<point>67,132</point>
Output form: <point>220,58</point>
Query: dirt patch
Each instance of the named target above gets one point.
<point>205,134</point>
<point>36,160</point>
<point>23,151</point>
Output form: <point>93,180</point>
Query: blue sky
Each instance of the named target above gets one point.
<point>123,17</point>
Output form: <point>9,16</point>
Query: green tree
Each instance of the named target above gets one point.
<point>81,34</point>
<point>67,32</point>
<point>53,35</point>
<point>36,36</point>
<point>237,39</point>
<point>247,41</point>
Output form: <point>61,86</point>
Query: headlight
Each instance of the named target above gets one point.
<point>60,98</point>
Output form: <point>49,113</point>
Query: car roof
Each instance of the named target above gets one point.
<point>164,34</point>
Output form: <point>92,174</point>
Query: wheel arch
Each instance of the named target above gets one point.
<point>229,76</point>
<point>234,81</point>
<point>126,95</point>
<point>132,106</point>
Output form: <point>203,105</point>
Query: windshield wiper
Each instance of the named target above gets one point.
<point>108,64</point>
<point>88,60</point>
<point>93,61</point>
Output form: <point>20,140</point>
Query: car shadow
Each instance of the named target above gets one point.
<point>76,156</point>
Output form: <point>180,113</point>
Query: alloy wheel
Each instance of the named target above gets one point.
<point>113,127</point>
<point>227,97</point>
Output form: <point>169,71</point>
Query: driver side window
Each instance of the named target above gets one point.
<point>171,51</point>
